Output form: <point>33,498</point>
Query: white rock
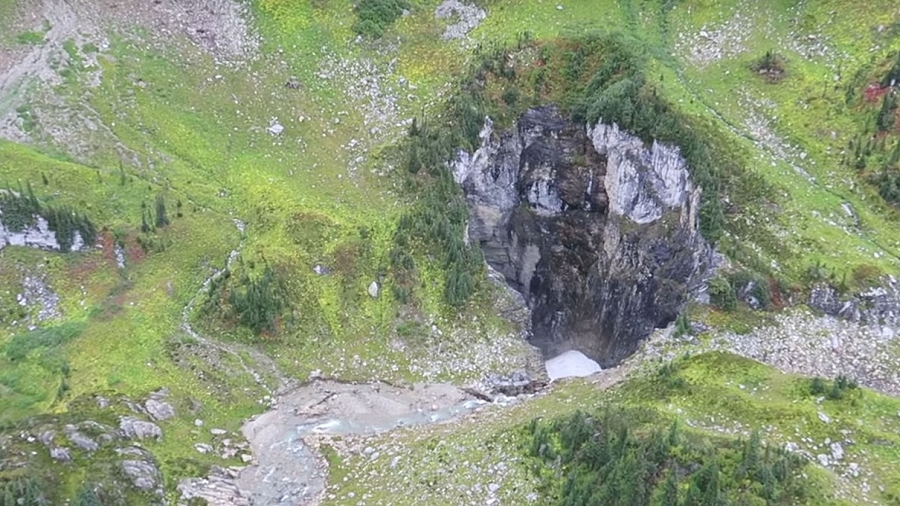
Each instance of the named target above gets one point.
<point>643,184</point>
<point>373,289</point>
<point>824,417</point>
<point>837,451</point>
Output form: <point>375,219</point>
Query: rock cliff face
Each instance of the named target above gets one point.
<point>596,230</point>
<point>37,236</point>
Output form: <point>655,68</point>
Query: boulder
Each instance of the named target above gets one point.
<point>159,410</point>
<point>143,474</point>
<point>83,442</point>
<point>60,454</point>
<point>133,428</point>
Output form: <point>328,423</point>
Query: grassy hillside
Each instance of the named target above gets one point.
<point>301,139</point>
<point>716,401</point>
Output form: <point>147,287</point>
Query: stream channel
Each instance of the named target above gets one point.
<point>285,470</point>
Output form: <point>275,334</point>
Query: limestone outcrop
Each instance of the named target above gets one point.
<point>597,230</point>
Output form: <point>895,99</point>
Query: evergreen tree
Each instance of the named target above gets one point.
<point>161,218</point>
<point>885,119</point>
<point>670,490</point>
<point>87,496</point>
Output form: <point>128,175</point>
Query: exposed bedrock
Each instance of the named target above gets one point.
<point>597,230</point>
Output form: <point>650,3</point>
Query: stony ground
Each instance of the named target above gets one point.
<point>801,342</point>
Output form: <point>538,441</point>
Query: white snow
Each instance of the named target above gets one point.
<point>570,364</point>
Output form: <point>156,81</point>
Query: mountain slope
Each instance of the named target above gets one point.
<point>243,164</point>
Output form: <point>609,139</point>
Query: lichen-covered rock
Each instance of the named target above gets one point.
<point>598,231</point>
<point>879,305</point>
<point>133,428</point>
<point>159,410</point>
<point>81,441</point>
<point>217,489</point>
<point>466,18</point>
<point>143,474</point>
<point>60,454</point>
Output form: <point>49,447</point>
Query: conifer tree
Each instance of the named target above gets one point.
<point>161,218</point>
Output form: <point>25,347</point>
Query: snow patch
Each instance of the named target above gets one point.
<point>571,364</point>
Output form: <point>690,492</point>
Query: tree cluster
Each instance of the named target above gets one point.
<point>618,92</point>
<point>375,16</point>
<point>841,387</point>
<point>435,225</point>
<point>255,302</point>
<point>20,210</point>
<point>610,458</point>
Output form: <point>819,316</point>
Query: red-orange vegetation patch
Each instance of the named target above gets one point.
<point>875,92</point>
<point>777,298</point>
<point>134,253</point>
<point>108,243</point>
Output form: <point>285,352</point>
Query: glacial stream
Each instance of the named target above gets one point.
<point>287,470</point>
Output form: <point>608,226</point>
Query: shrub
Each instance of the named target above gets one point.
<point>841,386</point>
<point>23,490</point>
<point>87,496</point>
<point>375,16</point>
<point>770,65</point>
<point>51,337</point>
<point>721,294</point>
<point>817,386</point>
<point>682,326</point>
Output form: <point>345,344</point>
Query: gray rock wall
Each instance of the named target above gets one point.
<point>876,306</point>
<point>596,230</point>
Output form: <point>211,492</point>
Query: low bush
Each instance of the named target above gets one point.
<point>51,337</point>
<point>375,16</point>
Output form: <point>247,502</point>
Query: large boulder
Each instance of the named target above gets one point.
<point>133,428</point>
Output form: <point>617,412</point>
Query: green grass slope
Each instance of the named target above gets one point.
<point>716,401</point>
